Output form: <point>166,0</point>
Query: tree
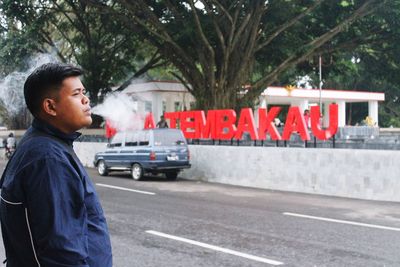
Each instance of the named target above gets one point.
<point>70,30</point>
<point>367,59</point>
<point>219,45</point>
<point>101,46</point>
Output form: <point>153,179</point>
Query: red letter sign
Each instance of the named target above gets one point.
<point>266,123</point>
<point>316,125</point>
<point>149,121</point>
<point>220,124</point>
<point>246,124</point>
<point>226,127</point>
<point>110,129</point>
<point>187,123</point>
<point>173,117</point>
<point>207,128</point>
<point>295,123</point>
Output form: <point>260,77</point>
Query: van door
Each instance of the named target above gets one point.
<point>112,154</point>
<point>128,153</point>
<point>143,151</point>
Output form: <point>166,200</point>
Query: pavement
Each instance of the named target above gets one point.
<point>156,222</point>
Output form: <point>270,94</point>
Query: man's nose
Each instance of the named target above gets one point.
<point>85,100</point>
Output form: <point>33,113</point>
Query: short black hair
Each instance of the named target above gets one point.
<point>44,80</point>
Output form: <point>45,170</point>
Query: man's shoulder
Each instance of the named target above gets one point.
<point>42,146</point>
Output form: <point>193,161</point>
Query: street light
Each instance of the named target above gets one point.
<point>320,83</point>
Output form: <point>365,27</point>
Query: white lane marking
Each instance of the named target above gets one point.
<point>225,250</point>
<point>342,221</point>
<point>126,189</point>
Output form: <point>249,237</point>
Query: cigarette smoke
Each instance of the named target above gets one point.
<point>12,86</point>
<point>121,111</point>
<point>119,108</point>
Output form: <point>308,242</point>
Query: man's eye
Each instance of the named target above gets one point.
<point>76,93</point>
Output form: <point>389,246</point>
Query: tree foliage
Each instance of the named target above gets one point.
<point>366,59</point>
<point>218,45</point>
<point>71,30</point>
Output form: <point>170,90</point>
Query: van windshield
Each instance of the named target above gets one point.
<point>168,138</point>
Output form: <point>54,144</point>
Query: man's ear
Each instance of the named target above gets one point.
<point>49,107</point>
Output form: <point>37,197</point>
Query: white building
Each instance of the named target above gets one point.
<point>167,96</point>
<point>160,96</point>
<point>304,98</point>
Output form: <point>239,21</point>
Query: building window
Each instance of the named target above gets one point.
<point>177,106</point>
<point>164,107</point>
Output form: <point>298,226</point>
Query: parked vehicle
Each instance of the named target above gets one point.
<point>145,151</point>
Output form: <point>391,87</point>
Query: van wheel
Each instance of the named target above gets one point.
<point>102,168</point>
<point>137,172</point>
<point>171,175</point>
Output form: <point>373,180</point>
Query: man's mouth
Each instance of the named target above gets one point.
<point>88,111</point>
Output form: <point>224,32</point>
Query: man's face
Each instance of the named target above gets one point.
<point>72,106</point>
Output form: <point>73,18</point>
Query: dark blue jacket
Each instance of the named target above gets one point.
<point>49,210</point>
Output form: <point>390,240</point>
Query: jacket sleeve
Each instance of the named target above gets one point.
<point>56,213</point>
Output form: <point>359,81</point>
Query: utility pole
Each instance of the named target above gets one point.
<point>320,83</point>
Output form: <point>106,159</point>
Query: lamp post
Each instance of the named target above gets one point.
<point>320,82</point>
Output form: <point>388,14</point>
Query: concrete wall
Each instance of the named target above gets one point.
<point>86,151</point>
<point>364,174</point>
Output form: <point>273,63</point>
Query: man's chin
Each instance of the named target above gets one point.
<point>88,122</point>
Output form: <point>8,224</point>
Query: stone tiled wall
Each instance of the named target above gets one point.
<point>364,174</point>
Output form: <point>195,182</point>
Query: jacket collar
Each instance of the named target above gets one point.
<point>51,130</point>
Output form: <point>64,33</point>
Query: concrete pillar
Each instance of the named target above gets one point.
<point>373,111</point>
<point>156,105</point>
<point>169,102</point>
<point>302,104</point>
<point>140,108</point>
<point>342,113</point>
<point>185,101</point>
<point>263,104</point>
<point>325,114</point>
<point>294,103</point>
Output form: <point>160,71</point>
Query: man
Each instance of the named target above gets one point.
<point>49,210</point>
<point>307,118</point>
<point>10,145</point>
<point>162,123</point>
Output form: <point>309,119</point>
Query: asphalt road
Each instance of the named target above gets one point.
<point>184,223</point>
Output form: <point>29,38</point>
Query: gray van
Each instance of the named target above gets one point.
<point>145,151</point>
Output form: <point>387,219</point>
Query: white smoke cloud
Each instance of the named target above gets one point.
<point>118,108</point>
<point>12,86</point>
<point>121,111</point>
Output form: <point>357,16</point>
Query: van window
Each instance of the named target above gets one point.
<point>131,139</point>
<point>117,140</point>
<point>144,138</point>
<point>168,138</point>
